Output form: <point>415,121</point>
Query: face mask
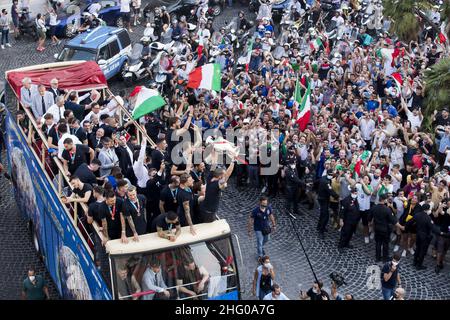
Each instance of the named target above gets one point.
<point>315,290</point>
<point>268,265</point>
<point>329,177</point>
<point>292,166</point>
<point>375,177</point>
<point>354,196</point>
<point>32,278</point>
<point>333,77</point>
<point>394,263</point>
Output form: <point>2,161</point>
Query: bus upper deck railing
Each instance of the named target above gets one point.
<point>75,210</point>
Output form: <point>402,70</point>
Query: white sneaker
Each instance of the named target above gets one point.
<point>372,236</point>
<point>404,253</point>
<point>366,240</point>
<point>411,251</point>
<point>396,248</point>
<point>393,237</point>
<point>8,45</point>
<point>264,189</point>
<point>2,46</point>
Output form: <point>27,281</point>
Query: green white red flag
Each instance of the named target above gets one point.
<point>147,100</point>
<point>205,77</point>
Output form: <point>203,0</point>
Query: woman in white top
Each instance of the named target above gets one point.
<point>41,30</point>
<point>53,23</point>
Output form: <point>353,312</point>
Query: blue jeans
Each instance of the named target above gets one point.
<point>387,293</point>
<point>5,38</point>
<point>253,174</point>
<point>261,240</point>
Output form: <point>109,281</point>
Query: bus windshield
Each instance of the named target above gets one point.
<point>69,54</point>
<point>203,270</point>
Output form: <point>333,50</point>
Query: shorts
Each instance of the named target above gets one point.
<point>364,217</point>
<point>52,31</point>
<point>442,245</point>
<point>136,11</point>
<point>41,34</point>
<point>15,22</point>
<point>126,17</point>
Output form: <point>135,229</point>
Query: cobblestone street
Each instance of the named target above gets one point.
<point>292,271</point>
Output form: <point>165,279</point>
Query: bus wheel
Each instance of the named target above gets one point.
<point>34,239</point>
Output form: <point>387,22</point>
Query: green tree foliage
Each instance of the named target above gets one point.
<point>437,92</point>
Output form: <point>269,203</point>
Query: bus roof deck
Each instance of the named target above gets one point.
<point>151,241</point>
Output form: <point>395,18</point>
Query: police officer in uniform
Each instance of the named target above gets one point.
<point>425,228</point>
<point>323,195</point>
<point>293,183</point>
<point>349,218</point>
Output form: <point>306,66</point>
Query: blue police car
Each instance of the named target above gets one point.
<point>108,46</point>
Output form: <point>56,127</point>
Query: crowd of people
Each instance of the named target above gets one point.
<point>365,157</point>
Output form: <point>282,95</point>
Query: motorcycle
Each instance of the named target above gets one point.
<point>27,26</point>
<point>134,70</point>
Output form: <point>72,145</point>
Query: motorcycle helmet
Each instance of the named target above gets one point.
<point>163,8</point>
<point>145,41</point>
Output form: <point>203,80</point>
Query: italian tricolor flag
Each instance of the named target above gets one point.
<point>356,167</point>
<point>315,45</point>
<point>205,77</point>
<point>147,100</point>
<point>398,81</point>
<point>304,111</point>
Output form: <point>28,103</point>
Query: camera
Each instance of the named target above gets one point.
<point>337,278</point>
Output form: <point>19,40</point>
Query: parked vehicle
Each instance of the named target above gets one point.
<point>108,46</point>
<point>71,16</point>
<point>27,26</point>
<point>135,69</point>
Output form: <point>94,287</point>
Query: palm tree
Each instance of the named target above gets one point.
<point>437,94</point>
<point>404,16</point>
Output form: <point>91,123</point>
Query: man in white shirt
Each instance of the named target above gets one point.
<point>276,294</point>
<point>339,20</point>
<point>366,126</point>
<point>57,109</point>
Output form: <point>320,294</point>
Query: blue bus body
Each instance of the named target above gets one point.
<point>67,260</point>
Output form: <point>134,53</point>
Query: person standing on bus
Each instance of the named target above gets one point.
<point>168,196</point>
<point>113,222</point>
<point>81,193</point>
<point>94,215</point>
<point>75,155</point>
<point>34,287</point>
<point>108,157</point>
<point>185,199</point>
<point>216,183</point>
<point>27,91</point>
<point>135,207</point>
<point>41,102</point>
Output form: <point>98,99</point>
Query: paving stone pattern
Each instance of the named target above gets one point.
<point>292,270</point>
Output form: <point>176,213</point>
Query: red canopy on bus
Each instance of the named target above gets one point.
<point>79,76</point>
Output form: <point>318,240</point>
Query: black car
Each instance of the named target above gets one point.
<point>178,8</point>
